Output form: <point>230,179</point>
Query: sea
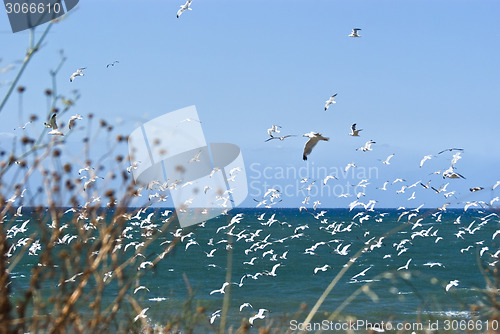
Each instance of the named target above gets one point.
<point>405,270</point>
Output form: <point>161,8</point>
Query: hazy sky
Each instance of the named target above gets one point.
<point>423,77</point>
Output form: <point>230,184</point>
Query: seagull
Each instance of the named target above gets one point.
<point>476,189</point>
<point>221,290</point>
<point>386,161</point>
<point>72,120</point>
<point>112,64</point>
<point>314,137</point>
<point>330,101</point>
<point>259,315</point>
<point>361,273</point>
<point>196,158</point>
<point>367,147</point>
<point>405,266</point>
<point>273,129</point>
<point>142,314</point>
<point>349,165</point>
<point>280,138</point>
<point>273,271</point>
<point>323,268</point>
<point>242,306</point>
<point>449,173</point>
<point>184,7</point>
<point>424,159</point>
<point>214,316</point>
<point>452,283</point>
<point>52,124</point>
<point>354,131</point>
<point>354,32</point>
<point>24,126</point>
<point>78,73</point>
<point>329,177</point>
<point>142,287</point>
<point>451,149</point>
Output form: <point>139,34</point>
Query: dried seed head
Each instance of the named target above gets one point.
<point>33,117</point>
<point>48,92</point>
<point>67,168</point>
<point>21,89</point>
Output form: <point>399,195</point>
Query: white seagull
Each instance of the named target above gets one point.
<point>314,137</point>
<point>424,159</point>
<point>142,314</point>
<point>280,138</point>
<point>184,7</point>
<point>323,268</point>
<point>452,283</point>
<point>53,124</point>
<point>354,131</point>
<point>354,32</point>
<point>78,73</point>
<point>330,101</point>
<point>386,161</point>
<point>259,315</point>
<point>72,120</point>
<point>367,147</point>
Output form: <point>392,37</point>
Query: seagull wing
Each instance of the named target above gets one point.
<point>309,147</point>
<point>52,122</point>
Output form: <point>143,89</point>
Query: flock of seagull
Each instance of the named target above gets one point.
<point>272,244</point>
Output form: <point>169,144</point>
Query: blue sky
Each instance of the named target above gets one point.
<point>423,77</point>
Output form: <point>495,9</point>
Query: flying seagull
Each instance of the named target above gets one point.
<point>259,315</point>
<point>314,137</point>
<point>367,147</point>
<point>330,101</point>
<point>476,189</point>
<point>449,173</point>
<point>112,64</point>
<point>78,73</point>
<point>424,159</point>
<point>451,149</point>
<point>354,32</point>
<point>184,7</point>
<point>72,120</point>
<point>354,131</point>
<point>52,124</point>
<point>386,161</point>
<point>280,138</point>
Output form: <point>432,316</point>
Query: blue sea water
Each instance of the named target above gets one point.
<point>406,265</point>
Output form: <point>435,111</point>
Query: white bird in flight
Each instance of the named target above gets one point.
<point>354,131</point>
<point>367,147</point>
<point>314,137</point>
<point>330,101</point>
<point>184,7</point>
<point>72,120</point>
<point>386,161</point>
<point>354,32</point>
<point>424,159</point>
<point>53,124</point>
<point>259,315</point>
<point>452,283</point>
<point>78,73</point>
